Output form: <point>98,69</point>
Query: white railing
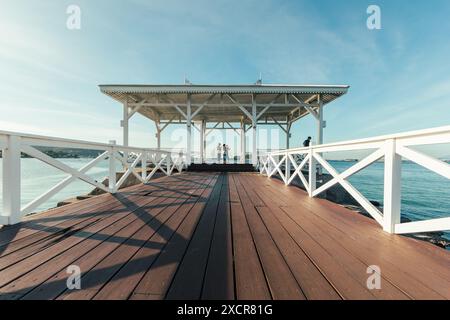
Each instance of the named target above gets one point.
<point>13,144</point>
<point>393,148</point>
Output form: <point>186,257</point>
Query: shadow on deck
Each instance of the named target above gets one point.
<point>215,236</point>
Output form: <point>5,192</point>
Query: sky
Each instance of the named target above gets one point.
<point>399,76</point>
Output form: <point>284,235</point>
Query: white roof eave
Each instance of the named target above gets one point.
<point>224,89</point>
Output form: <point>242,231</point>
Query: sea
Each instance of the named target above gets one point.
<point>425,195</point>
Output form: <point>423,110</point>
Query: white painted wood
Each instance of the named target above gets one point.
<point>392,187</point>
<point>11,168</point>
<point>393,147</point>
<point>298,171</point>
<point>3,142</point>
<point>360,165</point>
<point>135,108</point>
<point>12,180</point>
<point>155,169</point>
<point>127,166</point>
<point>61,166</point>
<point>125,123</point>
<point>242,144</point>
<point>144,163</point>
<point>435,165</point>
<point>188,132</point>
<point>34,204</point>
<point>128,172</point>
<point>432,225</point>
<point>277,167</point>
<point>254,135</point>
<point>366,204</point>
<point>312,178</point>
<point>181,111</point>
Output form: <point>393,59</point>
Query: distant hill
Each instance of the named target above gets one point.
<point>65,153</point>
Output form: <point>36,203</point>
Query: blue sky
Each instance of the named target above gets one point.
<point>399,76</point>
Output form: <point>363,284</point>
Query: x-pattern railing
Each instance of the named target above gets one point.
<point>393,148</point>
<point>14,144</point>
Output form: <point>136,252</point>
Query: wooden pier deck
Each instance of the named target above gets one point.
<point>214,236</point>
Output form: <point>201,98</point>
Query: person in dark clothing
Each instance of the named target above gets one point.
<point>307,142</point>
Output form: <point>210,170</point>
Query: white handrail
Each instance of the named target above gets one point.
<point>393,148</point>
<point>13,144</point>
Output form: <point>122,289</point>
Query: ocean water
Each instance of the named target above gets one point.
<point>38,177</point>
<point>425,195</point>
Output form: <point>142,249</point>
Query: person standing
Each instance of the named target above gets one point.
<point>226,149</point>
<point>219,152</point>
<point>307,142</point>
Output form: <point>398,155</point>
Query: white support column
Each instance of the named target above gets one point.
<point>288,162</point>
<point>312,172</point>
<point>392,187</point>
<point>242,133</point>
<point>320,121</point>
<point>320,125</point>
<point>202,141</point>
<point>125,122</point>
<point>168,164</point>
<point>158,134</point>
<point>254,121</point>
<point>11,180</point>
<point>144,160</point>
<point>188,131</point>
<point>112,168</point>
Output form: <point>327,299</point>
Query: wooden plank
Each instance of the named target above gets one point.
<point>249,276</point>
<point>280,279</point>
<point>219,277</point>
<point>71,239</point>
<point>158,278</point>
<point>41,241</point>
<point>188,279</point>
<point>121,286</point>
<point>118,233</point>
<point>399,266</point>
<point>100,271</point>
<point>341,255</point>
<point>36,230</point>
<point>313,283</point>
<point>53,217</point>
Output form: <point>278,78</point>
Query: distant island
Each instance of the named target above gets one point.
<point>64,153</point>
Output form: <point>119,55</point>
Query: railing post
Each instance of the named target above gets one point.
<point>392,187</point>
<point>11,180</point>
<point>168,163</point>
<point>112,167</point>
<point>180,161</point>
<point>287,173</point>
<point>312,172</point>
<point>144,165</point>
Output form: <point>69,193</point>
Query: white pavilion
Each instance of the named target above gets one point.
<point>209,107</point>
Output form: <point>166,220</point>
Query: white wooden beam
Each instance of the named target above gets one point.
<point>203,105</point>
<point>250,116</point>
<point>188,131</point>
<point>136,108</point>
<point>254,122</point>
<point>12,180</point>
<point>392,187</point>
